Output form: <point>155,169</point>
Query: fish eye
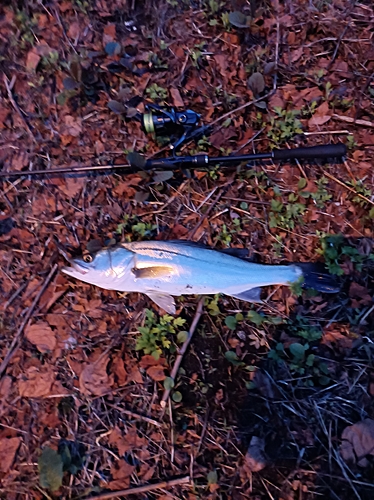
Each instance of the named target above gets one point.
<point>88,258</point>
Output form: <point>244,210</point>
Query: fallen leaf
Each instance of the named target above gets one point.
<point>32,60</point>
<point>72,126</point>
<point>50,467</point>
<point>156,373</point>
<point>256,83</point>
<point>94,378</point>
<point>121,472</point>
<point>4,113</point>
<point>118,369</point>
<point>74,30</point>
<point>222,61</point>
<point>109,33</point>
<point>149,360</point>
<point>361,293</point>
<point>36,383</point>
<point>177,98</point>
<point>358,442</point>
<point>322,115</point>
<point>71,186</point>
<point>8,450</point>
<point>255,458</point>
<point>42,336</point>
<point>126,442</point>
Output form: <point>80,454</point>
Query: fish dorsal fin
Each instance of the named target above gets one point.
<point>251,295</point>
<point>152,272</point>
<point>241,253</point>
<point>163,300</point>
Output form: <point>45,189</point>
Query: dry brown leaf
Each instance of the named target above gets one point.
<point>148,360</point>
<point>32,60</point>
<point>42,336</point>
<point>72,126</point>
<point>358,442</point>
<point>156,373</point>
<point>118,370</point>
<point>126,442</point>
<point>109,33</point>
<point>178,232</point>
<point>4,113</point>
<point>8,450</point>
<point>72,186</point>
<point>322,115</point>
<point>94,378</point>
<point>147,472</point>
<point>74,30</point>
<point>255,458</point>
<point>121,472</point>
<point>222,61</point>
<point>17,161</point>
<point>361,293</point>
<point>177,98</point>
<point>5,386</point>
<point>36,383</point>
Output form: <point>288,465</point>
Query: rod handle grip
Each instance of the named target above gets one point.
<point>324,151</point>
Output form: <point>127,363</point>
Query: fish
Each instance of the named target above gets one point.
<point>165,269</point>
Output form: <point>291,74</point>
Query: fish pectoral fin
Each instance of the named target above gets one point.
<point>163,300</point>
<point>152,272</point>
<point>251,295</point>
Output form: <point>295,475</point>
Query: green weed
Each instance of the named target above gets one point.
<point>286,216</point>
<point>284,126</point>
<point>336,251</point>
<point>321,196</point>
<point>135,228</point>
<point>157,334</point>
<point>155,92</point>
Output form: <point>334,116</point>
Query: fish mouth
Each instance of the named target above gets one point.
<point>78,268</point>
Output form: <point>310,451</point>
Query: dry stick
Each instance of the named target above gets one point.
<point>240,108</point>
<point>14,346</point>
<point>17,108</point>
<point>142,489</point>
<point>348,119</point>
<point>214,203</point>
<point>183,349</point>
<point>348,187</point>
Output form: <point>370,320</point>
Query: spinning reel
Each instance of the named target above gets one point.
<point>181,126</point>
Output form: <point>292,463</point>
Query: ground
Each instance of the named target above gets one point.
<point>271,401</point>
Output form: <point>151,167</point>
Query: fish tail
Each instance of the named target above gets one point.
<point>316,276</point>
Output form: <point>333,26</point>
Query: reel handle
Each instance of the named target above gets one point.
<point>326,151</point>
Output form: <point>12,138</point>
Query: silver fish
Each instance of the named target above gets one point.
<point>163,269</point>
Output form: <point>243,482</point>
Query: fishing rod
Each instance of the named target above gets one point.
<point>138,162</point>
<point>183,126</point>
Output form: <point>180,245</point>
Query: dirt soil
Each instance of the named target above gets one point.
<point>272,400</point>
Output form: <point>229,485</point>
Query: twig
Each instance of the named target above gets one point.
<point>240,108</point>
<point>330,176</point>
<point>348,119</point>
<point>328,132</point>
<point>135,415</point>
<point>14,346</point>
<point>17,108</point>
<point>142,489</point>
<point>214,203</point>
<point>248,142</point>
<point>183,349</point>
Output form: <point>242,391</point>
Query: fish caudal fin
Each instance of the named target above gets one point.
<point>317,277</point>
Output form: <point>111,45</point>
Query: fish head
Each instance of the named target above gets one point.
<point>102,268</point>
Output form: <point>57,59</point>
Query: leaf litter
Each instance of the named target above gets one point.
<point>265,419</point>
